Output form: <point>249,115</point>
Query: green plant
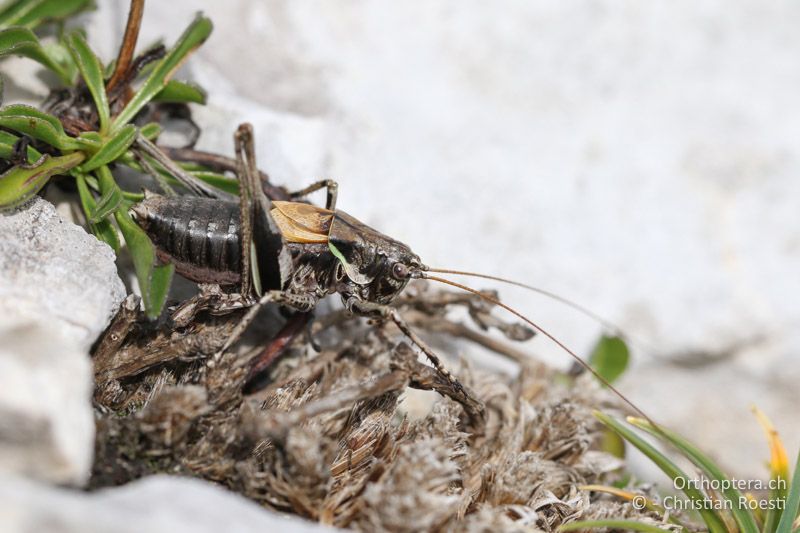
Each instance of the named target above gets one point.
<point>725,510</point>
<point>101,118</point>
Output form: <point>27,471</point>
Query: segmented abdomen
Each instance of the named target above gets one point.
<point>200,236</point>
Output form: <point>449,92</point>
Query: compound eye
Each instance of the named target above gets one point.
<point>400,271</point>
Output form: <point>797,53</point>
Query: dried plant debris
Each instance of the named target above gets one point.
<point>326,435</point>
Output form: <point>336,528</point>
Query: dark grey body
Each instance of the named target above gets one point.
<point>200,236</point>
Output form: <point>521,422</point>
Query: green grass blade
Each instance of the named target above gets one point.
<point>92,73</point>
<point>14,11</point>
<point>181,92</point>
<point>18,184</point>
<point>23,42</point>
<point>744,518</point>
<point>112,149</point>
<point>51,11</point>
<point>197,32</point>
<point>625,525</point>
<point>159,288</point>
<point>713,521</point>
<point>108,203</point>
<point>610,357</point>
<point>154,280</point>
<point>792,508</point>
<point>102,229</point>
<point>220,181</point>
<point>29,121</point>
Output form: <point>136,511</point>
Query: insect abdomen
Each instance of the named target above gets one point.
<point>200,236</point>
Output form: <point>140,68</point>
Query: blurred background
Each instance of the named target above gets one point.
<point>640,158</point>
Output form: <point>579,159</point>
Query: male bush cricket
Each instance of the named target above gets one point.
<point>294,254</point>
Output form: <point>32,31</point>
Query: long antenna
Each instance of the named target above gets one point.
<point>560,344</point>
<point>606,323</point>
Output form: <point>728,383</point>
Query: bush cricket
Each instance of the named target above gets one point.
<point>293,253</point>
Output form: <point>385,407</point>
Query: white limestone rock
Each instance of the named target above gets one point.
<point>155,504</point>
<point>54,273</point>
<point>46,419</point>
<point>58,289</point>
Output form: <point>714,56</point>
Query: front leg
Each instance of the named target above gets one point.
<point>299,302</point>
<point>372,309</point>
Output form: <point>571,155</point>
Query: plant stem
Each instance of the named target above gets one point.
<point>222,163</point>
<point>128,46</point>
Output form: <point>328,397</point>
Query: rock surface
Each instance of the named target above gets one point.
<point>54,273</point>
<point>156,504</point>
<point>58,289</point>
<point>46,419</point>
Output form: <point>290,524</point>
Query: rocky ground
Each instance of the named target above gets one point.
<point>329,436</point>
<point>649,150</point>
<point>640,159</point>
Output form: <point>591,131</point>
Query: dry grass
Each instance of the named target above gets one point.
<point>329,437</point>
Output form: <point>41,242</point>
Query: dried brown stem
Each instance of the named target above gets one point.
<point>276,425</point>
<point>309,372</point>
<point>201,339</point>
<point>118,330</point>
<point>189,181</point>
<point>128,47</point>
<point>455,329</point>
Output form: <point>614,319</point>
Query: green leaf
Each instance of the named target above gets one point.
<point>181,92</point>
<point>58,52</point>
<point>19,184</point>
<point>7,142</point>
<point>154,280</point>
<point>37,124</point>
<point>197,32</point>
<point>102,229</point>
<point>743,517</point>
<point>220,181</point>
<point>52,10</point>
<point>92,73</point>
<point>613,443</point>
<point>625,525</point>
<point>792,502</point>
<point>610,357</point>
<point>712,520</point>
<point>109,202</point>
<point>112,149</point>
<point>159,288</point>
<point>90,141</point>
<point>12,12</point>
<point>151,130</point>
<point>23,42</point>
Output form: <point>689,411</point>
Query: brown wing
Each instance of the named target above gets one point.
<point>303,223</point>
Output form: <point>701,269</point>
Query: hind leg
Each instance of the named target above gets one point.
<point>330,185</point>
<point>299,302</point>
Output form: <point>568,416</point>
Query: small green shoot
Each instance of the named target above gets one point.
<point>106,137</point>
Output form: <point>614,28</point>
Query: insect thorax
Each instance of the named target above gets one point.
<point>315,270</point>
